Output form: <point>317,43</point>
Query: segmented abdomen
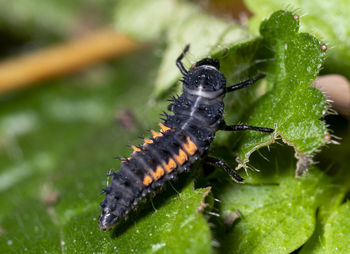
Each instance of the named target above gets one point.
<point>161,158</point>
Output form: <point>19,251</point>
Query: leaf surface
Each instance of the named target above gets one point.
<point>325,19</point>
<point>64,146</point>
<point>290,105</point>
<point>277,211</point>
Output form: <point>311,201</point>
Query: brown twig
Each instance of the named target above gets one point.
<point>32,68</point>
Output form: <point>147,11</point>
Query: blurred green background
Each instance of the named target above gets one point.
<point>58,136</point>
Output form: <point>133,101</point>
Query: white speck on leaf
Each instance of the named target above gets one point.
<point>156,247</point>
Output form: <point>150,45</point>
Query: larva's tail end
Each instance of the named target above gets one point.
<point>107,220</point>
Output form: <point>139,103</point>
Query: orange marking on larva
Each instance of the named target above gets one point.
<point>163,127</point>
<point>147,180</point>
<point>181,157</point>
<point>136,149</point>
<point>123,160</point>
<point>170,166</point>
<point>190,147</point>
<point>148,141</point>
<point>158,173</point>
<point>156,134</point>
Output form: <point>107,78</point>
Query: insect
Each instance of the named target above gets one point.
<point>184,137</point>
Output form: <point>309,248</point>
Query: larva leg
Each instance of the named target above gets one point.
<point>245,83</point>
<point>245,127</point>
<point>222,164</point>
<point>178,60</point>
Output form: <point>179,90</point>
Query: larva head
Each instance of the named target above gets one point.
<point>209,62</point>
<point>205,79</point>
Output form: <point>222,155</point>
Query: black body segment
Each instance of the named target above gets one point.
<point>184,137</point>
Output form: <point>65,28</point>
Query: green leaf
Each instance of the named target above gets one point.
<point>290,105</point>
<point>278,211</point>
<point>59,142</point>
<point>332,231</point>
<point>337,230</point>
<point>328,20</point>
<point>40,131</point>
<point>174,222</point>
<point>29,228</point>
<point>333,215</point>
<point>316,243</point>
<point>175,226</point>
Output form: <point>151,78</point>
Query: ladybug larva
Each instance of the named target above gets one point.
<point>184,137</point>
